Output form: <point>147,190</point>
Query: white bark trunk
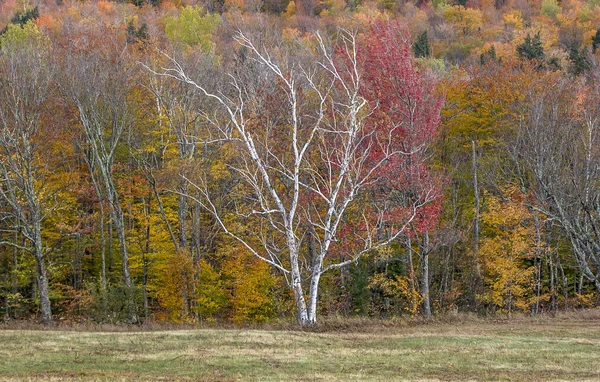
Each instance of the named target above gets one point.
<point>314,293</point>
<point>42,275</point>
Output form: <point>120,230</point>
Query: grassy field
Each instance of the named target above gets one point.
<point>524,350</point>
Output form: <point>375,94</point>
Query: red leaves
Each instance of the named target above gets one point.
<point>404,121</point>
<point>402,96</point>
<point>399,124</point>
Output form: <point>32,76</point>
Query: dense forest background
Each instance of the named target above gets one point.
<point>127,194</point>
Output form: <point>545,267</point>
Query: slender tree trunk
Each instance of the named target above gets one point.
<point>145,286</point>
<point>552,269</point>
<point>510,300</point>
<point>15,272</point>
<point>78,263</point>
<point>537,260</point>
<point>111,235</point>
<point>196,242</point>
<point>426,312</point>
<point>42,275</point>
<point>163,214</point>
<point>145,256</point>
<point>103,279</point>
<point>119,224</point>
<point>565,283</point>
<point>182,207</point>
<point>118,220</point>
<point>44,292</point>
<point>445,276</point>
<point>411,272</point>
<point>6,307</point>
<point>303,317</point>
<point>189,290</point>
<point>476,276</point>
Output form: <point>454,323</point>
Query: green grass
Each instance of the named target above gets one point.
<point>521,350</point>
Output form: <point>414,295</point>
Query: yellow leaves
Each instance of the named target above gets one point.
<point>219,171</point>
<point>399,290</point>
<point>548,35</point>
<point>513,20</point>
<point>480,103</point>
<point>290,10</point>
<point>332,7</point>
<point>502,215</point>
<point>211,295</point>
<point>366,15</point>
<point>251,284</point>
<point>506,251</point>
<point>173,272</point>
<point>588,35</point>
<point>290,35</point>
<point>233,285</point>
<point>466,20</point>
<point>586,299</point>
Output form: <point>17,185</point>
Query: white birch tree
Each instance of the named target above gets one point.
<point>26,76</point>
<point>304,159</point>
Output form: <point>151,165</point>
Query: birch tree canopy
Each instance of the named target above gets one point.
<point>312,137</point>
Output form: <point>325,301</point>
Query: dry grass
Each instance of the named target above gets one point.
<point>326,324</point>
<point>451,348</point>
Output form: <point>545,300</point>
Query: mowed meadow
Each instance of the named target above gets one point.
<point>299,190</point>
<point>525,349</point>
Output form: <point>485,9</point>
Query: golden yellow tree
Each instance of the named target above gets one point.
<point>506,253</point>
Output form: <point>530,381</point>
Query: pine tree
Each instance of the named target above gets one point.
<point>531,48</point>
<point>596,41</point>
<point>579,60</point>
<point>421,46</point>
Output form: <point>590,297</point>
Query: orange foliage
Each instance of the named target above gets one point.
<point>105,7</point>
<point>46,21</point>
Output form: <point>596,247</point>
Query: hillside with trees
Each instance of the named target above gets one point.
<point>251,160</point>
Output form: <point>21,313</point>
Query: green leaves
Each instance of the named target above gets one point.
<point>17,36</point>
<point>193,27</point>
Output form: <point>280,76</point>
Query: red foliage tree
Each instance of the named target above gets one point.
<point>405,117</point>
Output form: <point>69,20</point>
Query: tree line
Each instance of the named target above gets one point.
<point>237,162</point>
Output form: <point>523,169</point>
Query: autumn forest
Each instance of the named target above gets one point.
<point>252,160</point>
